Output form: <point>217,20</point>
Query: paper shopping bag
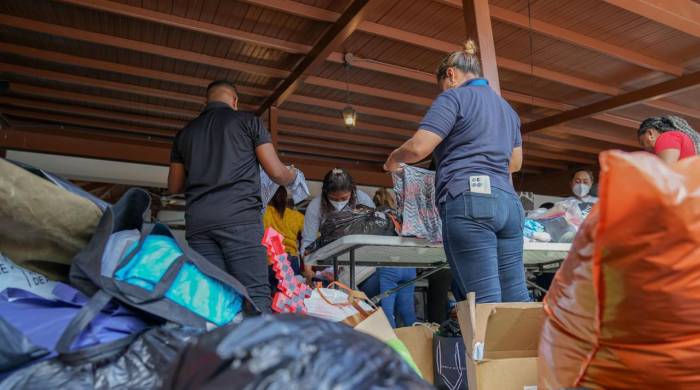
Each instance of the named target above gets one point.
<point>419,341</point>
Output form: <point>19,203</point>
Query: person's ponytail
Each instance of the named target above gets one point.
<point>466,60</point>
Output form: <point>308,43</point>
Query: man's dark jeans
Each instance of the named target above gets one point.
<point>238,250</point>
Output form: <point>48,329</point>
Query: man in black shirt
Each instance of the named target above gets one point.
<point>215,160</point>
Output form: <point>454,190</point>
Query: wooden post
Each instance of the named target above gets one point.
<point>273,125</point>
<point>477,19</point>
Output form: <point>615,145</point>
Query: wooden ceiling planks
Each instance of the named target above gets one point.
<point>276,33</point>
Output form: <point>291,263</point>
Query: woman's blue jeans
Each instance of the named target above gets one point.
<point>400,303</point>
<point>483,240</point>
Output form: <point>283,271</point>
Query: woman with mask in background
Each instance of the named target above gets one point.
<point>338,193</point>
<point>582,182</point>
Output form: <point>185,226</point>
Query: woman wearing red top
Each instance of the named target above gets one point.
<point>671,138</point>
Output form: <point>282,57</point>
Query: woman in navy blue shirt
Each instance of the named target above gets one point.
<point>475,137</point>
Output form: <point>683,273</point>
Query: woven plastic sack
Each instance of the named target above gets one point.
<point>624,309</point>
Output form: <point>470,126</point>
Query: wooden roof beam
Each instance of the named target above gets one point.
<point>329,41</point>
<point>64,120</point>
<point>383,152</point>
<point>544,164</point>
<point>681,15</point>
<point>312,101</point>
<point>578,39</point>
<point>410,38</point>
<point>139,46</point>
<point>168,19</point>
<point>93,112</point>
<point>324,151</point>
<point>325,134</point>
<point>150,109</point>
<point>321,14</point>
<point>656,91</point>
<point>603,136</point>
<point>66,143</point>
<point>104,84</point>
<point>553,143</point>
<point>335,121</point>
<point>547,155</point>
<point>66,59</point>
<point>477,21</point>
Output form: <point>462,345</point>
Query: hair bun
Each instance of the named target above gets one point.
<point>470,47</point>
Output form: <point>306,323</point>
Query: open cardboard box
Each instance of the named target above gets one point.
<point>502,341</point>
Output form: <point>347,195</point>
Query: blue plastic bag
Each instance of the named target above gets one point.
<point>191,289</point>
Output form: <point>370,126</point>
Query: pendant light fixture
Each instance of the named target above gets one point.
<point>349,113</point>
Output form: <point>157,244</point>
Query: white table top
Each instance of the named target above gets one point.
<point>391,250</point>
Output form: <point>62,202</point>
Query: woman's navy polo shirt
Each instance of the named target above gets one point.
<point>479,130</point>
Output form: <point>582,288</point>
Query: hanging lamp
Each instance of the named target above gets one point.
<point>349,113</point>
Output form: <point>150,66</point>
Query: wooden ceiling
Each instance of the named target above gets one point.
<point>117,79</point>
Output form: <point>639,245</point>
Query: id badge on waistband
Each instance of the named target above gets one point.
<point>480,184</point>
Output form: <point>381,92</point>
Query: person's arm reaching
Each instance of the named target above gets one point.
<point>176,178</point>
<point>516,160</point>
<point>436,125</point>
<point>670,156</point>
<point>272,165</point>
<point>312,222</point>
<point>177,173</point>
<point>420,146</point>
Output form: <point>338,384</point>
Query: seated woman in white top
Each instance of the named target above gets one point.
<point>338,193</point>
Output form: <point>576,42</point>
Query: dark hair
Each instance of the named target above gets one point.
<point>279,200</point>
<point>221,84</point>
<point>588,171</point>
<point>663,124</point>
<point>337,180</point>
<point>384,198</point>
<point>465,60</point>
<point>547,205</point>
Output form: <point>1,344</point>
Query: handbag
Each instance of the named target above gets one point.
<point>355,300</point>
<point>159,274</point>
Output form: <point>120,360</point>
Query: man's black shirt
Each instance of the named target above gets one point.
<point>222,186</point>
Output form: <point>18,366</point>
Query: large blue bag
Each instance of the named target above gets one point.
<point>158,274</point>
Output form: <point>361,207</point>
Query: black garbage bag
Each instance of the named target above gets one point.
<point>290,352</point>
<point>141,365</point>
<point>15,348</point>
<point>363,220</point>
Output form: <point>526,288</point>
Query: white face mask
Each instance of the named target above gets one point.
<point>339,205</point>
<point>581,190</point>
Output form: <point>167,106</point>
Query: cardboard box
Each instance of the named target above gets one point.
<point>501,341</point>
<point>419,341</point>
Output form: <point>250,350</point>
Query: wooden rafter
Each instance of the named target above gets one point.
<point>682,15</point>
<point>139,46</point>
<point>477,21</point>
<point>320,133</point>
<point>95,113</point>
<point>578,39</point>
<point>191,25</point>
<point>65,143</point>
<point>74,120</point>
<point>656,91</point>
<point>83,62</point>
<point>152,109</point>
<point>339,31</point>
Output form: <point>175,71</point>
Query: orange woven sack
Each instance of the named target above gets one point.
<point>623,312</point>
